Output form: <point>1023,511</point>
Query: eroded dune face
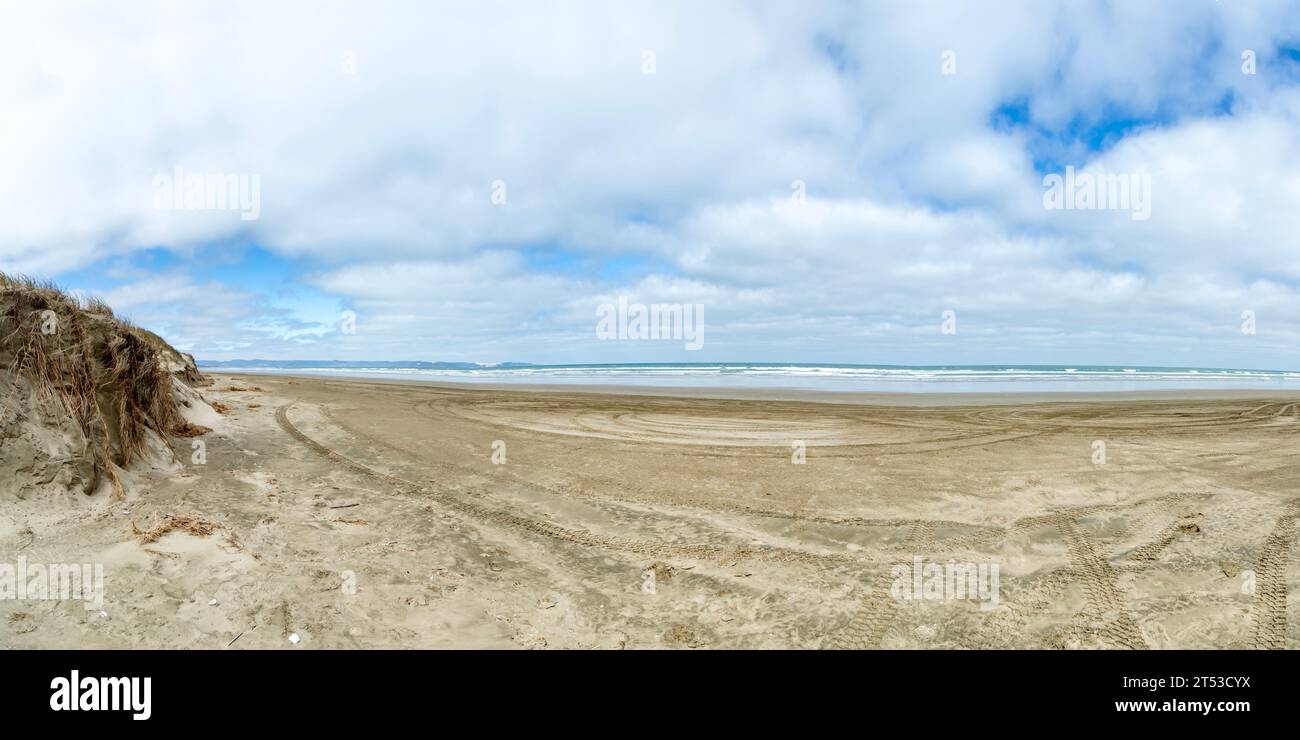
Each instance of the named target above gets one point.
<point>83,394</point>
<point>39,450</point>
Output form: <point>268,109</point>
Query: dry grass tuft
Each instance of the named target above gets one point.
<point>188,430</point>
<point>184,522</point>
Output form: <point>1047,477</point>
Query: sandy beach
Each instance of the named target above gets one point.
<point>402,515</point>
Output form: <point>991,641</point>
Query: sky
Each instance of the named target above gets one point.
<point>473,181</point>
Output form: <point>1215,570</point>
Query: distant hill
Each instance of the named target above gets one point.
<point>354,364</point>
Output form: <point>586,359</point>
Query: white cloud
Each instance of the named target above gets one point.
<point>381,181</point>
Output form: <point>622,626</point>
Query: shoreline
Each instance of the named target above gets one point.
<point>854,398</point>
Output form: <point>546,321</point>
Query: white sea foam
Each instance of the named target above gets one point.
<point>832,377</point>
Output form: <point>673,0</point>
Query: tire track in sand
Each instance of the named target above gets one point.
<point>1105,601</point>
<point>646,548</point>
<point>1269,611</point>
<point>578,486</point>
<point>875,613</point>
<point>1145,554</point>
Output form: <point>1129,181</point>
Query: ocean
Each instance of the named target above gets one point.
<point>819,377</point>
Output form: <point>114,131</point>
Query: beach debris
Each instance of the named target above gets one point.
<point>21,623</point>
<point>185,522</point>
<point>188,431</point>
<point>680,634</point>
<point>212,602</point>
<point>294,638</point>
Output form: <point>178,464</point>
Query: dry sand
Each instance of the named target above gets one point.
<point>370,514</point>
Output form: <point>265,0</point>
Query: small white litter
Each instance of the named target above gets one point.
<point>212,602</point>
<point>294,638</point>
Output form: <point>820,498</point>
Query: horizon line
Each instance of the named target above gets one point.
<point>519,364</point>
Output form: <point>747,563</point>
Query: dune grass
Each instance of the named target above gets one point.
<point>104,374</point>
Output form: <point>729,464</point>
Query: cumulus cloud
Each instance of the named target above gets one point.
<point>473,179</point>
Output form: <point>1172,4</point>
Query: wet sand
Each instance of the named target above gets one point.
<point>396,514</point>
